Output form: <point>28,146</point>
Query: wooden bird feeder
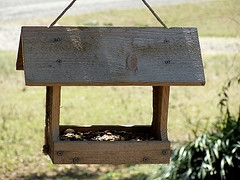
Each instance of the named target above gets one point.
<point>109,56</point>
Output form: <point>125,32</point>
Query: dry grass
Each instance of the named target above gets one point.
<point>213,18</point>
<point>192,109</point>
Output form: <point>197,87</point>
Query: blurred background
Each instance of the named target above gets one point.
<point>192,110</point>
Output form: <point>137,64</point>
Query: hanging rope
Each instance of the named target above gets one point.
<point>70,5</point>
<point>60,15</point>
<point>156,16</point>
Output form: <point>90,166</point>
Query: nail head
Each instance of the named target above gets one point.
<point>59,61</point>
<point>75,160</point>
<point>166,41</point>
<point>145,159</point>
<point>164,152</point>
<point>57,39</point>
<point>167,62</point>
<point>59,153</point>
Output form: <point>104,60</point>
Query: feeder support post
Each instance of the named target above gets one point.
<point>53,95</point>
<point>160,112</point>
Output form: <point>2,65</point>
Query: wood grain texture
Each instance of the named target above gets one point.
<point>114,152</point>
<point>145,152</point>
<point>160,112</point>
<point>53,95</point>
<point>48,115</point>
<point>19,63</point>
<point>55,112</point>
<point>143,56</point>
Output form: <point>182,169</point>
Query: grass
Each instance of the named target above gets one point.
<point>192,109</point>
<point>213,18</point>
<point>22,116</point>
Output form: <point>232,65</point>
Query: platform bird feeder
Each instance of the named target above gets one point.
<point>109,56</point>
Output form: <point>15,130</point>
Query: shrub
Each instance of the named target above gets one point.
<point>214,155</point>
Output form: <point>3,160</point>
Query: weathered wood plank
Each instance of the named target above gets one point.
<point>19,63</point>
<point>53,94</point>
<point>145,152</point>
<point>55,112</point>
<point>48,115</point>
<point>160,112</point>
<point>111,56</point>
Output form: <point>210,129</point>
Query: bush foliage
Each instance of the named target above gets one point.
<point>214,155</point>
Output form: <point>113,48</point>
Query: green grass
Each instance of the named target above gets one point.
<point>213,18</point>
<point>192,109</point>
<point>23,111</point>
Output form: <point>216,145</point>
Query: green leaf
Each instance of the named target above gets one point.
<point>222,171</point>
<point>229,160</point>
<point>208,157</point>
<point>236,147</point>
<point>216,148</point>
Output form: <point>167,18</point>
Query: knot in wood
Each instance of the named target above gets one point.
<point>131,63</point>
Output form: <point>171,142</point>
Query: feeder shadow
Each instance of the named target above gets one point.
<point>72,173</point>
<point>75,173</point>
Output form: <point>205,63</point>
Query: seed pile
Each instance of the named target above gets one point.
<point>107,135</point>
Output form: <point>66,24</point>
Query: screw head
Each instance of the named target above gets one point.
<point>57,39</point>
<point>167,62</point>
<point>164,152</point>
<point>59,61</point>
<point>59,153</point>
<point>145,159</point>
<point>166,41</point>
<point>75,160</point>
